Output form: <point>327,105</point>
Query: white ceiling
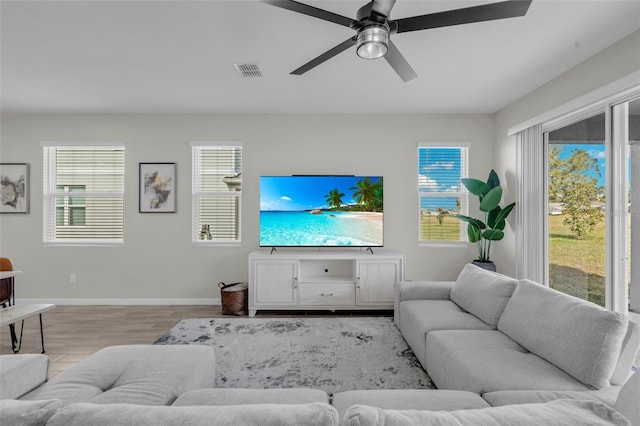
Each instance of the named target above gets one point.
<point>178,55</point>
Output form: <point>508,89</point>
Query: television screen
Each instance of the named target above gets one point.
<point>321,211</point>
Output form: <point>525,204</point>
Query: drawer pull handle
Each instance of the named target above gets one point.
<point>326,294</point>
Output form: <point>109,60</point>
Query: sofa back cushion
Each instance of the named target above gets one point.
<point>577,336</point>
<point>561,412</point>
<point>482,293</point>
<point>83,414</point>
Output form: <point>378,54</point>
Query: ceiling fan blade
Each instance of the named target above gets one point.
<point>383,7</point>
<point>485,12</point>
<point>314,11</point>
<point>399,63</point>
<point>325,56</point>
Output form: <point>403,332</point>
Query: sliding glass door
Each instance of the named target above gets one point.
<point>592,222</point>
<point>576,208</point>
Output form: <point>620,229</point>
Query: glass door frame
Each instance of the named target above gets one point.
<point>616,224</point>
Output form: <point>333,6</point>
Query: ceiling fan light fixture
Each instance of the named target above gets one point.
<point>372,42</point>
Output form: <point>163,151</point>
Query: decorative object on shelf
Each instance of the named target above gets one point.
<point>234,183</point>
<point>14,187</point>
<point>205,232</point>
<point>157,185</point>
<point>483,232</point>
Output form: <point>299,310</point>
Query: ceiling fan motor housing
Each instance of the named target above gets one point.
<point>373,41</point>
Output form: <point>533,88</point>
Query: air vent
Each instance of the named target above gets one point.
<point>248,70</point>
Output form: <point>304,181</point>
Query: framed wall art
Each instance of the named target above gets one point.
<point>157,187</point>
<point>14,187</point>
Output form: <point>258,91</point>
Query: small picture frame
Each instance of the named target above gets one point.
<point>157,187</point>
<point>14,188</point>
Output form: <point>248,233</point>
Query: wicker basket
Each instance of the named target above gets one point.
<point>234,298</point>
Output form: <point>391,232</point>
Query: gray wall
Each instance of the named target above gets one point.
<point>158,260</point>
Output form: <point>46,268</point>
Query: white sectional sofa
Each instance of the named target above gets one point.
<point>283,407</point>
<point>486,332</point>
<point>501,352</point>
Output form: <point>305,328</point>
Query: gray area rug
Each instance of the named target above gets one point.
<point>332,354</point>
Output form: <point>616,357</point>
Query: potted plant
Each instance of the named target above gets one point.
<point>484,231</point>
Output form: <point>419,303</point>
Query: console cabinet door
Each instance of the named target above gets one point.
<point>375,281</point>
<point>275,283</point>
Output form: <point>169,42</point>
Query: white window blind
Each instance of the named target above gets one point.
<point>217,190</point>
<point>83,194</point>
<point>441,193</point>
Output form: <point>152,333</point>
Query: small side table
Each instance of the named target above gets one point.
<point>15,313</point>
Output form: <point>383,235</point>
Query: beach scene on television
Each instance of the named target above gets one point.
<point>321,211</point>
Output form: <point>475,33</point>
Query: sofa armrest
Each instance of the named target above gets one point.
<point>419,290</point>
<point>21,373</point>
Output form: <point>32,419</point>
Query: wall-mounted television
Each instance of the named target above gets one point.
<point>321,211</point>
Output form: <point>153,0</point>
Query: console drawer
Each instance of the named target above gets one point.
<point>323,294</point>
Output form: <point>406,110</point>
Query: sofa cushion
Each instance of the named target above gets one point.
<point>419,317</point>
<point>83,414</point>
<point>628,402</point>
<point>562,412</point>
<point>577,336</point>
<point>486,360</point>
<point>506,397</point>
<point>136,374</point>
<point>21,373</point>
<point>512,397</point>
<point>483,293</point>
<point>229,396</point>
<point>28,413</point>
<point>405,399</point>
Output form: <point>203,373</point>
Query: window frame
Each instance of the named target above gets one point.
<point>51,193</point>
<point>463,194</point>
<point>197,194</point>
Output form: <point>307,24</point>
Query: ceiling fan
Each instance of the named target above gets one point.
<point>374,28</point>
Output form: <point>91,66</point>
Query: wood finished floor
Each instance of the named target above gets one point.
<point>72,333</point>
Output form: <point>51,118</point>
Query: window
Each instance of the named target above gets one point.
<point>217,190</point>
<point>70,211</point>
<point>440,192</point>
<point>83,194</point>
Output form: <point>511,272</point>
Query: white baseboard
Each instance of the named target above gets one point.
<point>62,302</point>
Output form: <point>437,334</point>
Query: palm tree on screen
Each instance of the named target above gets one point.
<point>368,194</point>
<point>334,198</point>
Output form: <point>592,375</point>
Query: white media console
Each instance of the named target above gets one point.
<point>327,280</point>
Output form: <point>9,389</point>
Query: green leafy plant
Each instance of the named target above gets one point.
<point>491,228</point>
